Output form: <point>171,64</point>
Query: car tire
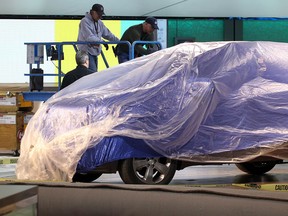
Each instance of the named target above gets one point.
<point>152,171</point>
<point>86,177</point>
<point>256,168</point>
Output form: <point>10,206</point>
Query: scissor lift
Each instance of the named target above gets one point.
<point>35,56</point>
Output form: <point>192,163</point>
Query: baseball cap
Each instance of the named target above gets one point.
<point>98,8</point>
<point>152,21</point>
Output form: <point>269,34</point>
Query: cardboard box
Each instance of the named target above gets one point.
<point>12,102</point>
<point>11,130</point>
<point>27,117</point>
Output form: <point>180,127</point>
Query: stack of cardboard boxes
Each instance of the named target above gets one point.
<point>15,114</point>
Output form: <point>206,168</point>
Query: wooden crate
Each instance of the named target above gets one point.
<point>11,130</point>
<point>14,102</point>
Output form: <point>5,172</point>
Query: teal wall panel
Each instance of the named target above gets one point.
<point>201,30</point>
<point>265,30</point>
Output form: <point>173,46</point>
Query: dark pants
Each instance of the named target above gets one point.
<point>122,57</point>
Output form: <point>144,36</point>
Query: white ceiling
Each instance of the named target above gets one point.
<point>157,8</point>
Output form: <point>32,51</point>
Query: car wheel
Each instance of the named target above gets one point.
<point>86,177</point>
<point>256,168</point>
<point>147,170</point>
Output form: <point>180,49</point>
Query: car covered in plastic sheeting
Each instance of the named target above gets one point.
<point>191,104</point>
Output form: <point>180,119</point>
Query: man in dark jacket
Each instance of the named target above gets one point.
<point>82,60</point>
<point>140,32</point>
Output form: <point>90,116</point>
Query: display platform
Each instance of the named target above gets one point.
<point>60,198</point>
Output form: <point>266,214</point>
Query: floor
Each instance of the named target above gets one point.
<point>209,175</point>
<point>217,175</point>
<point>223,177</point>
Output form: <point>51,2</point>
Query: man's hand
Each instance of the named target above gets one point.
<point>106,46</point>
<point>94,45</point>
<point>153,48</point>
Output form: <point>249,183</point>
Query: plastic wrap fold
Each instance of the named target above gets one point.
<point>190,101</point>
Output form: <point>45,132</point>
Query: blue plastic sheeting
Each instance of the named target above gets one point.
<point>114,148</point>
<point>190,102</point>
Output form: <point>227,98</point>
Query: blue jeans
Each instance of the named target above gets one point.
<point>122,57</point>
<point>93,62</point>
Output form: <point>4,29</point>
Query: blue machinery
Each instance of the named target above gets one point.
<point>34,57</point>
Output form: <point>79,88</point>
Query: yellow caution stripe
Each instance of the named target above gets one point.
<point>13,180</point>
<point>254,186</point>
<point>267,187</point>
<point>6,179</point>
<point>8,160</point>
<point>209,186</point>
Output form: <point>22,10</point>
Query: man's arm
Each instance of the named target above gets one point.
<point>67,80</point>
<point>106,34</point>
<point>135,36</point>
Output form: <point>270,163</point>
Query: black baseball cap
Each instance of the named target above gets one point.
<point>152,21</point>
<point>98,8</point>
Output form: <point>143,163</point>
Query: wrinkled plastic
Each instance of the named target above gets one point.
<point>205,102</point>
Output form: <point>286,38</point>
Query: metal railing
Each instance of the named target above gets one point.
<point>44,95</point>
